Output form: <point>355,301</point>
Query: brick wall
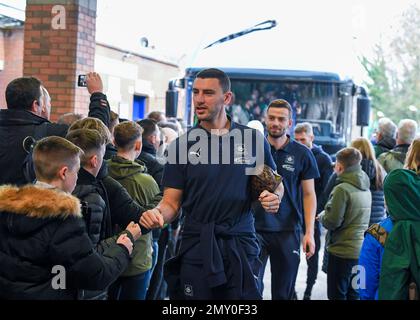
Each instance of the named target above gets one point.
<point>57,56</point>
<point>11,46</point>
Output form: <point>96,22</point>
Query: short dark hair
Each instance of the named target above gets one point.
<point>51,154</point>
<point>213,73</point>
<point>22,92</point>
<point>126,134</point>
<point>156,116</point>
<point>349,157</point>
<point>281,103</point>
<point>149,127</point>
<point>89,140</point>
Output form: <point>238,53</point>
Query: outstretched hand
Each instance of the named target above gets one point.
<point>94,82</point>
<point>134,229</point>
<point>126,242</point>
<point>152,219</point>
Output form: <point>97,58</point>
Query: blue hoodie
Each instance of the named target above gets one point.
<point>371,259</point>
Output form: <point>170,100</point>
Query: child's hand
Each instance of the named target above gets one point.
<point>134,229</point>
<point>126,242</point>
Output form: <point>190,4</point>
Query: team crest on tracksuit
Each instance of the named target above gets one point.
<point>188,290</point>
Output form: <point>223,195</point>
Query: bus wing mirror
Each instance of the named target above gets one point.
<point>171,103</point>
<point>363,111</point>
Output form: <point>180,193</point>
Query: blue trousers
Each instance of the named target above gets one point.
<point>156,281</point>
<point>130,288</point>
<point>283,248</point>
<point>313,261</point>
<point>339,278</point>
<point>195,286</point>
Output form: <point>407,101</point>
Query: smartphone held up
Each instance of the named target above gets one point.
<point>81,81</point>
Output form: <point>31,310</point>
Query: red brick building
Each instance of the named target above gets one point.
<point>56,43</point>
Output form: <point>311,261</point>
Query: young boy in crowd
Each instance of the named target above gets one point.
<point>143,188</point>
<point>42,231</point>
<point>91,191</point>
<point>122,208</point>
<point>346,217</point>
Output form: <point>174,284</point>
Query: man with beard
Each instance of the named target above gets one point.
<point>218,252</point>
<point>279,234</point>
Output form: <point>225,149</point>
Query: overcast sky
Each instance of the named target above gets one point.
<point>323,35</point>
<point>315,35</point>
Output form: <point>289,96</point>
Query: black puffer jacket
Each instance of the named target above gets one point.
<point>122,207</point>
<point>378,204</point>
<point>154,167</point>
<point>16,125</point>
<point>37,235</point>
<point>89,191</point>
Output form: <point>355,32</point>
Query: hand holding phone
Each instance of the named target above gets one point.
<point>94,83</point>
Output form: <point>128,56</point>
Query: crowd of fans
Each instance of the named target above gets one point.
<point>108,171</point>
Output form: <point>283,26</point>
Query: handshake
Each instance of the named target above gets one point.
<point>134,230</point>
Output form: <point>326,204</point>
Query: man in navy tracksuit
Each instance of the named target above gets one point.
<point>207,175</point>
<point>304,134</point>
<point>279,234</point>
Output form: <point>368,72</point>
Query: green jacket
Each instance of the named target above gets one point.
<point>347,213</point>
<point>394,159</point>
<point>401,259</point>
<point>143,189</point>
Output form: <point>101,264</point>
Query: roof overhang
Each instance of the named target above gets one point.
<point>9,22</point>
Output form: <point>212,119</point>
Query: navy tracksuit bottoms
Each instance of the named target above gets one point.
<point>314,260</point>
<point>283,248</point>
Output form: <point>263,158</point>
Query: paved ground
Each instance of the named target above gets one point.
<point>319,291</point>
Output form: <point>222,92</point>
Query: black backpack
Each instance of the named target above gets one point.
<point>40,131</point>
